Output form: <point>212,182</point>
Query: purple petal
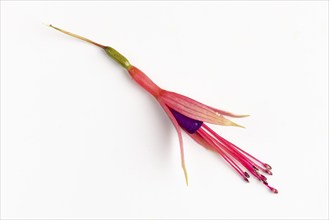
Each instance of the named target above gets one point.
<point>188,124</point>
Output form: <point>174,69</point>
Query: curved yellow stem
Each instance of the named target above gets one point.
<point>79,37</point>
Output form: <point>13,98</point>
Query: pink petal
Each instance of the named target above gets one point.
<point>173,120</point>
<point>229,114</point>
<point>194,109</point>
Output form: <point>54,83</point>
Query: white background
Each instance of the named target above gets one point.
<point>79,139</point>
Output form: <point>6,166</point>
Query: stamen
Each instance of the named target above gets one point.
<point>234,146</point>
<point>231,150</point>
<point>271,188</point>
<point>242,159</point>
<point>247,154</point>
<point>228,159</point>
<point>262,169</point>
<point>268,167</point>
<point>246,174</point>
<point>268,172</point>
<point>263,177</point>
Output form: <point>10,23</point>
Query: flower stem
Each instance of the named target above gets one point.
<point>114,54</point>
<point>78,36</point>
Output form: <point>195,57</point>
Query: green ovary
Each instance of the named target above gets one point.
<point>118,57</point>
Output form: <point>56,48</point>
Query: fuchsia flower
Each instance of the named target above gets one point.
<point>190,115</point>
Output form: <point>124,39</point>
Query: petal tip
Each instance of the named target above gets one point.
<point>235,125</point>
<point>185,174</point>
<point>243,116</point>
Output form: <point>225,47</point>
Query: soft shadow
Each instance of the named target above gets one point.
<point>161,122</point>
